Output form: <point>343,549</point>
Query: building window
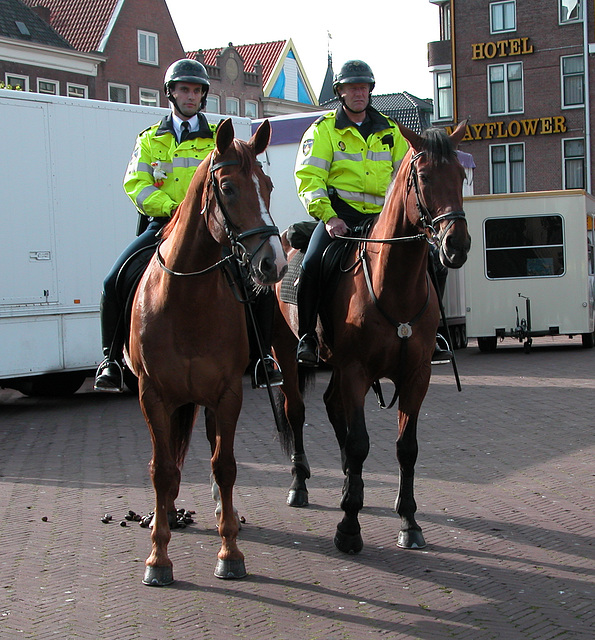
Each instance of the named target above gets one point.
<point>507,166</point>
<point>118,92</point>
<point>503,16</point>
<point>232,106</point>
<point>574,163</point>
<point>445,21</point>
<point>573,81</point>
<point>524,247</point>
<point>213,105</point>
<point>570,11</point>
<point>251,108</point>
<point>506,88</point>
<point>76,90</point>
<point>49,87</point>
<point>14,81</point>
<point>443,95</point>
<point>148,49</point>
<point>148,97</point>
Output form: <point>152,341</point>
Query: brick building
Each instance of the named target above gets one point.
<point>521,71</point>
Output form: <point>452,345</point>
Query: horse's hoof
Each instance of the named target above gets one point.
<point>349,542</point>
<point>230,569</point>
<point>411,539</point>
<point>297,498</point>
<point>158,576</point>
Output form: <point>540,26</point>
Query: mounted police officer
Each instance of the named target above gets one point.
<point>344,166</point>
<point>164,160</point>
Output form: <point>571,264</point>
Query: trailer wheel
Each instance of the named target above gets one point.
<point>487,344</point>
<point>464,340</point>
<point>51,384</point>
<point>588,340</point>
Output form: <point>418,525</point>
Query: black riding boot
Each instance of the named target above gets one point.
<point>307,302</point>
<point>109,375</point>
<point>264,369</point>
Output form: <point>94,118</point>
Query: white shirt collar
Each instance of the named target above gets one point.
<point>193,122</point>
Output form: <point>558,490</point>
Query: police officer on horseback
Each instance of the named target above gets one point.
<point>164,160</point>
<point>344,166</point>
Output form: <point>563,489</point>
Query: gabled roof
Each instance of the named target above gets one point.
<point>34,29</point>
<point>84,24</point>
<point>267,53</point>
<point>409,110</point>
<point>270,55</point>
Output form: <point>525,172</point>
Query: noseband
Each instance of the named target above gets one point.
<point>425,216</point>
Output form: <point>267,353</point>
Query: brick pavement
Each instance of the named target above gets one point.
<point>504,492</point>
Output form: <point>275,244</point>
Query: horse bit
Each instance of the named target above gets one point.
<point>238,250</point>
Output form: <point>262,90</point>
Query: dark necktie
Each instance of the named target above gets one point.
<point>185,131</point>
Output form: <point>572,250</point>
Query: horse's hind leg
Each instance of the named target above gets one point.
<point>410,535</point>
<point>346,402</point>
<point>293,408</point>
<point>230,563</point>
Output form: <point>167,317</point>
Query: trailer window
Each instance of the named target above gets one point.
<point>524,247</point>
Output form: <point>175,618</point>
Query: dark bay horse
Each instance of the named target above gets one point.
<point>188,339</point>
<point>381,322</point>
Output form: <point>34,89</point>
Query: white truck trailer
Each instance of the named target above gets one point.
<point>65,219</point>
<point>279,162</point>
<point>530,271</point>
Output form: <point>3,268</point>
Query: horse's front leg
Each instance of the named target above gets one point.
<point>347,401</point>
<point>410,535</point>
<point>165,475</point>
<point>230,563</point>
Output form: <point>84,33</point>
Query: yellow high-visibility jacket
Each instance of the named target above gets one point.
<point>160,170</point>
<point>333,154</point>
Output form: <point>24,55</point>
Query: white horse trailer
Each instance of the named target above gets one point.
<point>65,219</point>
<point>531,265</point>
<point>279,163</point>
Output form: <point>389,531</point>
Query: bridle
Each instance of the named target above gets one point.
<point>239,252</point>
<point>425,215</point>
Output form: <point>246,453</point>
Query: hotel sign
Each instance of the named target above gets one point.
<point>501,49</point>
<point>501,130</point>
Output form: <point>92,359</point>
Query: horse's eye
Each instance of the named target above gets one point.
<point>424,178</point>
<point>226,188</point>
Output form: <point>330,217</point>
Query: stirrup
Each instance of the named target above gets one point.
<point>440,355</point>
<point>308,346</point>
<point>113,385</point>
<point>266,373</point>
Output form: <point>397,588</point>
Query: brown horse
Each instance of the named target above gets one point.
<point>381,322</point>
<point>188,339</point>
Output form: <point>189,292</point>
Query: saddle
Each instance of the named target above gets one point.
<point>338,258</point>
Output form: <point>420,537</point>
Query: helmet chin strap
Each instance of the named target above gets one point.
<point>342,101</point>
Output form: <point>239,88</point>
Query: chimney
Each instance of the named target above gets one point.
<point>42,12</point>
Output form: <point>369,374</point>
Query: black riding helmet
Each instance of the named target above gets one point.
<point>354,72</point>
<point>186,70</point>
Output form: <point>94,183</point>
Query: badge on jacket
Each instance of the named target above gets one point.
<point>307,147</point>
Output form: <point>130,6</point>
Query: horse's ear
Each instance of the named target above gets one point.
<point>414,139</point>
<point>458,134</point>
<point>261,138</point>
<point>224,135</point>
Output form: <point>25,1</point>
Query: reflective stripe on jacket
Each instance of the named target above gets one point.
<point>334,154</point>
<point>160,170</point>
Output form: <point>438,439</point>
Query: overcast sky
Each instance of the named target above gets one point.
<point>391,36</point>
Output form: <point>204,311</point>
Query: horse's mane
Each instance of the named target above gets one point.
<point>437,145</point>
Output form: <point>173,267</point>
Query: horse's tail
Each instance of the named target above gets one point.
<point>306,379</point>
<point>182,422</point>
